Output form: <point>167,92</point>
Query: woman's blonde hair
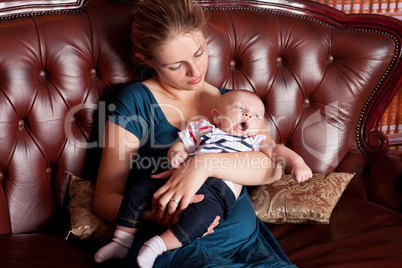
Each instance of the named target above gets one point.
<point>155,21</point>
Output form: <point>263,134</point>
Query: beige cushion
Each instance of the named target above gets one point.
<point>286,201</point>
<point>84,223</point>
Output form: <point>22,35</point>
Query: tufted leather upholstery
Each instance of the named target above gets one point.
<point>326,78</point>
<point>52,76</point>
<point>307,72</point>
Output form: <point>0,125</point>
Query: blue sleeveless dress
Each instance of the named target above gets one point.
<point>242,240</point>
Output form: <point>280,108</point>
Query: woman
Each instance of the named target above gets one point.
<point>168,36</point>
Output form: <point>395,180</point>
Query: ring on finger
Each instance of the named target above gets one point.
<point>175,200</point>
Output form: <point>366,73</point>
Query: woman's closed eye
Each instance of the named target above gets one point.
<point>199,53</point>
<point>175,67</point>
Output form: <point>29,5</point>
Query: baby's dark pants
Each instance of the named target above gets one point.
<point>218,200</point>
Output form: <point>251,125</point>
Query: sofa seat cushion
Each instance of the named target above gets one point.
<point>47,250</point>
<point>355,237</point>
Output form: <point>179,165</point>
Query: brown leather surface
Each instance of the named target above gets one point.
<point>360,234</point>
<point>325,78</point>
<point>47,250</point>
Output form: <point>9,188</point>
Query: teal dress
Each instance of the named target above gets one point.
<point>242,240</point>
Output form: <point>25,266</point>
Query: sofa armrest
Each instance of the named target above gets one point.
<point>378,177</point>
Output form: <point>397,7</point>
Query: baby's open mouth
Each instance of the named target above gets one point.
<point>243,126</point>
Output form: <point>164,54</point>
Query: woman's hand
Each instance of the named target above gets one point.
<point>176,194</point>
<point>167,222</point>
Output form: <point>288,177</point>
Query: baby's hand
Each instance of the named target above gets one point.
<point>178,159</point>
<point>301,172</point>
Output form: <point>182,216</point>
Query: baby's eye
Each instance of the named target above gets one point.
<point>240,108</point>
<point>257,116</point>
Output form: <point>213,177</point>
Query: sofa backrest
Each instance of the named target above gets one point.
<point>316,73</point>
<point>325,78</point>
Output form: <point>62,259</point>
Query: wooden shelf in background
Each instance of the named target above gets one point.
<point>395,139</point>
<point>392,8</point>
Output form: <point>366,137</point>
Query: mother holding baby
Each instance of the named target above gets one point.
<point>168,37</point>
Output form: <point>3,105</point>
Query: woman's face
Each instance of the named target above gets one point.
<point>182,62</point>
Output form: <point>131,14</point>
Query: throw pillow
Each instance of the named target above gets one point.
<point>286,201</point>
<point>85,225</point>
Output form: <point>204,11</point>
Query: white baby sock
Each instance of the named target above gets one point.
<point>117,249</point>
<point>150,251</point>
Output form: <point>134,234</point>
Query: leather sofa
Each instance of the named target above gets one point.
<point>325,78</point>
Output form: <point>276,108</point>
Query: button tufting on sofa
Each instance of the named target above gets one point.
<point>21,124</point>
<point>92,72</point>
<point>49,171</point>
<point>306,101</point>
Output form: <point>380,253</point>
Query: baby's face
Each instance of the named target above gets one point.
<point>241,114</point>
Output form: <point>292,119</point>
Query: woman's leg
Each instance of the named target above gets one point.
<point>136,200</point>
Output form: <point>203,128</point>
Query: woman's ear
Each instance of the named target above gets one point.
<point>215,116</point>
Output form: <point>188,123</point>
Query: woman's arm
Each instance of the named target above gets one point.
<point>120,148</point>
<point>246,168</point>
<point>119,151</point>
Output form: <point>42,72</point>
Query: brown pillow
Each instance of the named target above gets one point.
<point>84,223</point>
<point>286,201</point>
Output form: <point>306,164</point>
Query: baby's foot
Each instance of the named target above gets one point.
<point>150,251</point>
<point>118,248</point>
